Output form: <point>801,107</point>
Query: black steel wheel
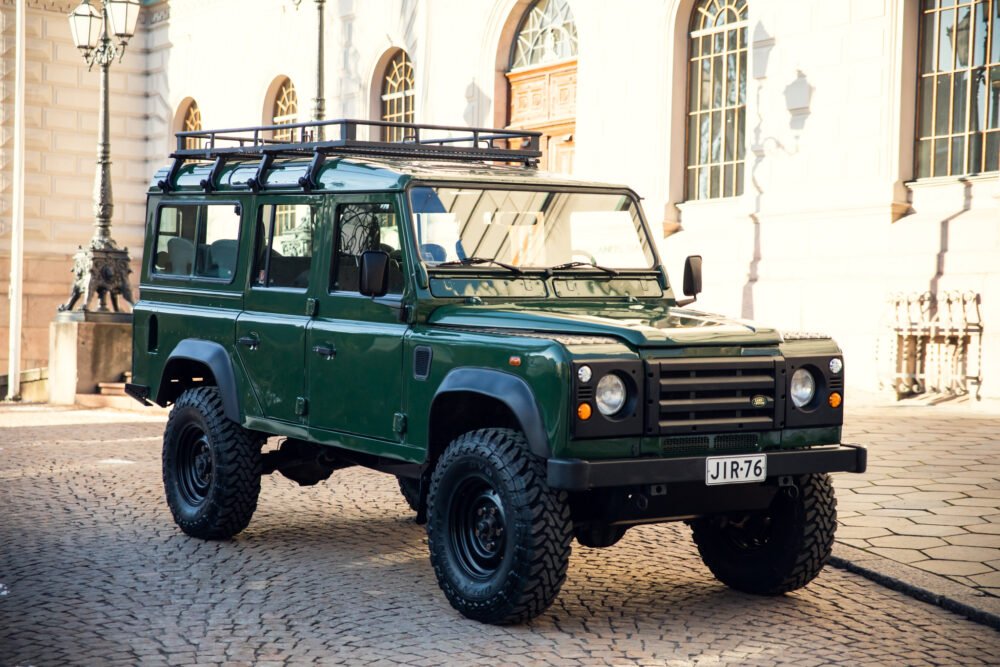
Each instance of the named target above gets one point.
<point>772,551</point>
<point>499,537</point>
<point>211,467</point>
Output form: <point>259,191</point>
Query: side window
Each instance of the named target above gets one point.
<point>197,240</point>
<point>362,227</point>
<point>284,245</point>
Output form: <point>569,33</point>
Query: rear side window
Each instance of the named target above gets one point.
<point>284,246</point>
<point>200,241</point>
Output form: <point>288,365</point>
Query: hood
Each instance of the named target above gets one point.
<point>641,324</point>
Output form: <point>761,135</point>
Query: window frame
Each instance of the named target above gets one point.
<point>335,244</point>
<point>693,33</point>
<point>275,202</point>
<point>934,74</point>
<point>403,93</point>
<point>568,19</point>
<point>199,225</point>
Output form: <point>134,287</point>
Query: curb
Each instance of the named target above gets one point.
<point>918,584</point>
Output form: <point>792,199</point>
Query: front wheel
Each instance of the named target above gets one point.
<point>211,467</point>
<point>772,551</point>
<point>499,537</point>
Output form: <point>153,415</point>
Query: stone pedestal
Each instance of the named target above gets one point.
<point>84,349</point>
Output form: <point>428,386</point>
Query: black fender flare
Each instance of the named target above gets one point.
<point>510,390</point>
<point>214,356</point>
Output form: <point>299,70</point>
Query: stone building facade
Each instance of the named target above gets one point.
<point>834,162</point>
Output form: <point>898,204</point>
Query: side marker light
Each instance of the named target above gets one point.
<point>835,400</point>
<point>514,361</point>
<point>583,411</point>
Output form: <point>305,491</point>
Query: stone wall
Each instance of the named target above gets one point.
<point>61,107</point>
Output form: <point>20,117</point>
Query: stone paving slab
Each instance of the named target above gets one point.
<point>93,571</point>
<point>930,499</point>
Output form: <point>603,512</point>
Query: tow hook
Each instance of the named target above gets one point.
<point>787,484</point>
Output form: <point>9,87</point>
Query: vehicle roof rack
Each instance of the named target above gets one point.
<point>361,138</point>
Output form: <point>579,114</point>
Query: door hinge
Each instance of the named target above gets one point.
<point>312,307</point>
<point>399,423</point>
<point>301,405</point>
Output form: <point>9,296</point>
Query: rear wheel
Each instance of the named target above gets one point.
<point>776,550</point>
<point>410,488</point>
<point>499,537</point>
<point>211,467</point>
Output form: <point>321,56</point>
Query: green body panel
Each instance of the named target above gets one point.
<point>649,323</point>
<point>358,390</point>
<point>478,318</point>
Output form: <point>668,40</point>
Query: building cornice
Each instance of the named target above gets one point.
<point>151,14</point>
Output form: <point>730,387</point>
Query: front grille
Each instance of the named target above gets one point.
<point>692,445</point>
<point>712,395</point>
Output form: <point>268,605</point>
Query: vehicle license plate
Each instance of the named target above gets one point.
<point>735,469</point>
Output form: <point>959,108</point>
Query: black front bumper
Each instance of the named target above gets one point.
<point>578,475</point>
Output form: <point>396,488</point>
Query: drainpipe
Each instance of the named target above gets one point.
<point>17,228</point>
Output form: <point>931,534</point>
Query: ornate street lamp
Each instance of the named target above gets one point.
<point>102,268</point>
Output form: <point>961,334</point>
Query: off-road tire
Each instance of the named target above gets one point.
<point>780,558</point>
<point>493,468</point>
<point>410,488</point>
<point>220,503</point>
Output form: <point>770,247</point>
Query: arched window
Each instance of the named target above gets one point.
<point>285,110</point>
<point>397,94</point>
<point>541,73</point>
<point>717,86</point>
<point>191,122</point>
<point>958,115</point>
<point>547,34</point>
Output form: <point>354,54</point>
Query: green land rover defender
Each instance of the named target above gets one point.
<point>506,342</point>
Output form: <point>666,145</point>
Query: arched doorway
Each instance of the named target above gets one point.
<point>542,77</point>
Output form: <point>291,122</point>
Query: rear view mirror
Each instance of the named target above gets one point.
<point>374,270</point>
<point>692,279</point>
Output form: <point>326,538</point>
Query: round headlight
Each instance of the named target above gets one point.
<point>584,374</point>
<point>611,394</point>
<point>836,365</point>
<point>803,387</point>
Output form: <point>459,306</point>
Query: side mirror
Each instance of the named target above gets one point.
<point>692,279</point>
<point>374,273</point>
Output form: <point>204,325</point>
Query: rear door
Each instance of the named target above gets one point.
<point>271,331</point>
<point>355,345</point>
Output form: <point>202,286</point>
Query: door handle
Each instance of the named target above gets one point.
<point>325,351</point>
<point>249,341</point>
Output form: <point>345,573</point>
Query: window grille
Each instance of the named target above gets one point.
<point>717,83</point>
<point>192,122</point>
<point>958,101</point>
<point>547,34</point>
<point>397,95</point>
<point>285,112</point>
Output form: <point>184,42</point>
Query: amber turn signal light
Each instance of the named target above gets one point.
<point>583,411</point>
<point>835,400</point>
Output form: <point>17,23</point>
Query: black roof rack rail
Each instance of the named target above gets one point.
<point>442,142</point>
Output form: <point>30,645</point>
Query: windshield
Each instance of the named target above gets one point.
<point>528,228</point>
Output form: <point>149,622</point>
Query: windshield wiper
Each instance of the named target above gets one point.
<point>470,261</point>
<point>573,265</point>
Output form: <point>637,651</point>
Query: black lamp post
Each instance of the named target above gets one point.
<point>102,268</point>
<point>319,102</point>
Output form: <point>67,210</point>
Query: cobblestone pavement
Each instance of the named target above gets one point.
<point>93,571</point>
<point>931,496</point>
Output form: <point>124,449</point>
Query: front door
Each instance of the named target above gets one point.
<point>271,332</point>
<point>355,345</point>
